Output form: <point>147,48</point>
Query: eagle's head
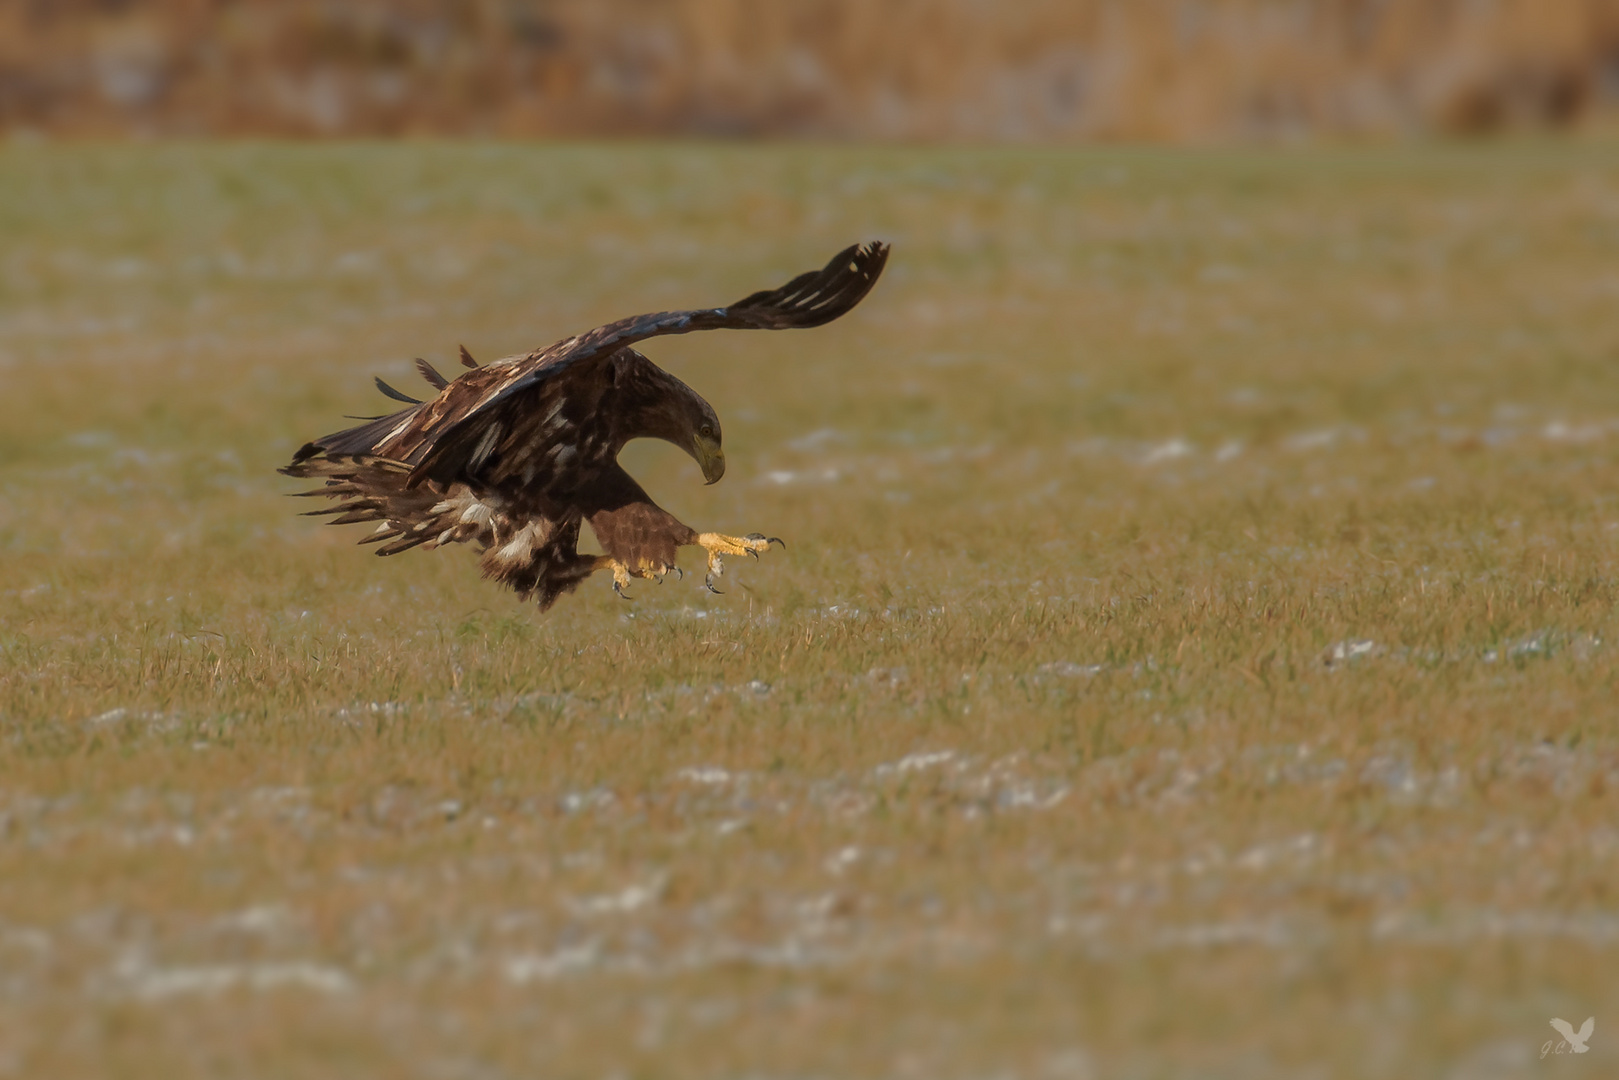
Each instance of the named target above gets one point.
<point>705,445</point>
<point>656,405</point>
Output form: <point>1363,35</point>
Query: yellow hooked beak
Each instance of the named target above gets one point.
<point>710,457</point>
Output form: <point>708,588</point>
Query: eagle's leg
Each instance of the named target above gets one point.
<point>718,544</point>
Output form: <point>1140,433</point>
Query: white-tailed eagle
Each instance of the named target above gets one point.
<point>513,455</point>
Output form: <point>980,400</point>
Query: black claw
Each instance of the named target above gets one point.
<point>708,583</point>
<point>620,590</point>
<point>680,575</point>
<point>768,541</point>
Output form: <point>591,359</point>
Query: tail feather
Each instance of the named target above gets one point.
<point>366,488</point>
<point>370,506</point>
<point>535,556</point>
<point>405,543</point>
<point>333,489</point>
<point>358,514</point>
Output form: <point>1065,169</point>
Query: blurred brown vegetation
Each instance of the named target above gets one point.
<point>1176,70</point>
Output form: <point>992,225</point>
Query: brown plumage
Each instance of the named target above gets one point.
<point>514,454</point>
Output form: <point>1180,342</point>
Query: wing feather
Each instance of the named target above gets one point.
<point>358,440</point>
<point>430,373</point>
<point>397,395</point>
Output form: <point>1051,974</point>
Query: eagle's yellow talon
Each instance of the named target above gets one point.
<point>720,544</point>
<point>621,574</point>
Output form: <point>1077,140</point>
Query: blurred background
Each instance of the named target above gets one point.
<point>966,70</point>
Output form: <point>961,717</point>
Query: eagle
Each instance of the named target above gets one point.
<point>513,455</point>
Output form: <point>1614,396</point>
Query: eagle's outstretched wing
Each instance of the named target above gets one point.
<point>490,405</point>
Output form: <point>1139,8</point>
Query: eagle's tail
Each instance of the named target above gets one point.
<point>535,556</point>
<point>371,488</point>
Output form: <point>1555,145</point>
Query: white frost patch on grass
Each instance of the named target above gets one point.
<point>1166,451</point>
<point>705,774</point>
<point>631,899</point>
<point>1345,651</point>
<point>1067,669</point>
<point>1300,849</point>
<point>151,983</point>
<point>259,919</point>
<point>543,968</point>
<point>1025,796</point>
<point>1559,431</point>
<point>1323,439</point>
<point>1462,927</point>
<point>24,939</point>
<point>815,440</point>
<point>842,859</point>
<point>154,721</point>
<point>595,799</point>
<point>1210,935</point>
<point>915,763</point>
<point>783,477</point>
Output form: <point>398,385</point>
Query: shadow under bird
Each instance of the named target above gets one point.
<point>513,455</point>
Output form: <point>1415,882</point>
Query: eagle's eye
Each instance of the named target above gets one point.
<point>706,431</point>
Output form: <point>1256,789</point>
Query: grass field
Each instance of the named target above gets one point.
<point>1195,656</point>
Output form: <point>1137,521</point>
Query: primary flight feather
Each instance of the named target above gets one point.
<point>512,456</point>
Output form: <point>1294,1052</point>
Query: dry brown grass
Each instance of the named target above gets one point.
<point>1194,656</point>
<point>1061,70</point>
